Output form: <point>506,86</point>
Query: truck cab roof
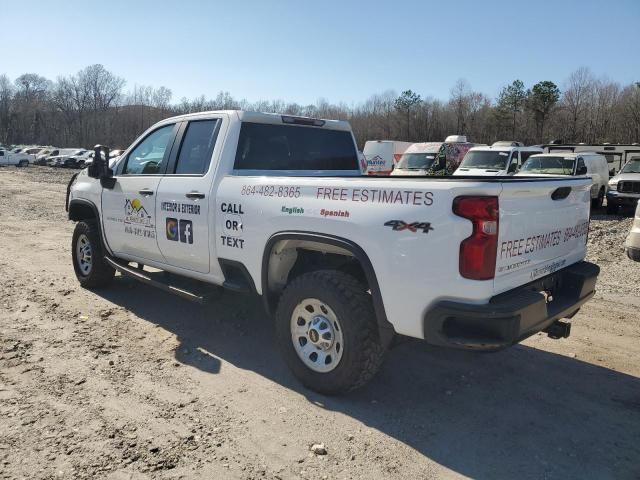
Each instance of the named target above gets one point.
<point>268,118</point>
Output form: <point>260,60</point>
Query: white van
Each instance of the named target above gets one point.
<point>433,158</point>
<point>382,155</point>
<point>418,159</point>
<point>501,158</point>
<point>583,163</point>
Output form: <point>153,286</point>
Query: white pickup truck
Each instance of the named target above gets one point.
<point>18,159</point>
<point>276,205</point>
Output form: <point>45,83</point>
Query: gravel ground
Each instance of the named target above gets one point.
<point>130,383</point>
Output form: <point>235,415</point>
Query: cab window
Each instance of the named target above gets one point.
<point>197,148</point>
<point>524,155</point>
<point>150,156</point>
<point>580,164</point>
<point>265,146</point>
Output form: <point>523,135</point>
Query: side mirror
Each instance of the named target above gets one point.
<point>581,170</point>
<point>99,168</point>
<point>513,168</point>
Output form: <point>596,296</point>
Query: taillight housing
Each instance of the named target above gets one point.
<point>478,253</point>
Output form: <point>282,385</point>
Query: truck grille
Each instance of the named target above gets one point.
<point>629,187</point>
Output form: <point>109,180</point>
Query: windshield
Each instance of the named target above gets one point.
<point>550,165</point>
<point>486,159</point>
<point>632,166</point>
<point>416,161</point>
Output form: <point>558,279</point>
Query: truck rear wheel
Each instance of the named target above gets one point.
<point>88,258</point>
<point>327,330</point>
<point>23,163</point>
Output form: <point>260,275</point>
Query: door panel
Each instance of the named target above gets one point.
<point>184,198</point>
<point>183,230</point>
<point>129,216</point>
<point>129,209</point>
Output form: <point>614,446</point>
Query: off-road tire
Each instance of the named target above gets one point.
<point>23,163</point>
<point>596,203</point>
<point>101,273</point>
<point>363,352</point>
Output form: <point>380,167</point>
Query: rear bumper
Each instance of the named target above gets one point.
<point>512,316</point>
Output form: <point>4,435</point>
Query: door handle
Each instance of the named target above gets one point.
<point>194,195</point>
<point>145,192</point>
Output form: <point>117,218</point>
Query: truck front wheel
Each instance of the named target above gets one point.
<point>88,258</point>
<point>327,330</point>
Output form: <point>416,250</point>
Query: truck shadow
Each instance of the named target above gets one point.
<point>521,413</point>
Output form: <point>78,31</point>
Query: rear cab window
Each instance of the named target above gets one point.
<point>197,147</point>
<point>272,147</point>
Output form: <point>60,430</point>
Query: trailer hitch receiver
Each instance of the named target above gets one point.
<point>558,330</point>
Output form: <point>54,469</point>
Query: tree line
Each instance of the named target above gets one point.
<point>92,106</point>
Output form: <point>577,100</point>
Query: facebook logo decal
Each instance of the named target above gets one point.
<point>186,231</point>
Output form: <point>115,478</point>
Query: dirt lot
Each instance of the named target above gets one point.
<point>130,383</point>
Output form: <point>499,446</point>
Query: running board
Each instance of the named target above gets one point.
<point>147,278</point>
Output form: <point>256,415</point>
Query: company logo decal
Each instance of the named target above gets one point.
<point>134,212</point>
<point>186,231</point>
<point>137,221</point>
<point>172,229</point>
<point>399,225</point>
<point>376,161</point>
<point>181,230</point>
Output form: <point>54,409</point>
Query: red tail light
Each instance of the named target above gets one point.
<point>478,252</point>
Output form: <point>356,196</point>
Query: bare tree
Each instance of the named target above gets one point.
<point>6,97</point>
<point>577,91</point>
<point>460,102</point>
<point>91,107</point>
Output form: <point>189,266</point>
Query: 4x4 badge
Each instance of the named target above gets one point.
<point>399,225</point>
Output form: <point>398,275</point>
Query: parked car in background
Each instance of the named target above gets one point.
<point>574,164</point>
<point>624,188</point>
<point>33,151</point>
<point>76,159</point>
<point>63,155</point>
<point>58,160</point>
<point>43,155</point>
<point>382,155</point>
<point>632,243</point>
<point>11,158</point>
<point>501,158</point>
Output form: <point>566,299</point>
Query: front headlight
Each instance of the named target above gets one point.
<point>613,185</point>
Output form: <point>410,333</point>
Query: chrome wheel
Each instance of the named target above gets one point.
<point>84,254</point>
<point>316,335</point>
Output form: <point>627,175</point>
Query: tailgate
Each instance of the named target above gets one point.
<point>543,228</point>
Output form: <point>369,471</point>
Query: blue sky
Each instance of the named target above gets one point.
<point>340,50</point>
